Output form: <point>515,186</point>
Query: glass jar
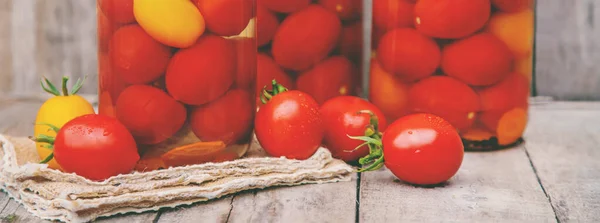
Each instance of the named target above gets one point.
<point>180,75</point>
<point>467,61</point>
<point>312,46</point>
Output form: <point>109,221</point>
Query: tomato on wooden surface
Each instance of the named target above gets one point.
<point>289,123</point>
<point>342,117</point>
<point>306,37</point>
<point>95,147</point>
<point>61,108</point>
<point>136,57</point>
<point>330,78</point>
<point>226,17</point>
<point>226,119</point>
<point>150,114</point>
<point>203,72</point>
<point>421,149</point>
<point>451,19</point>
<point>118,11</point>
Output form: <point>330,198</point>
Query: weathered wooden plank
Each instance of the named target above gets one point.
<point>568,49</point>
<point>23,40</point>
<point>66,41</point>
<point>489,187</point>
<point>563,147</point>
<point>308,203</point>
<point>213,211</point>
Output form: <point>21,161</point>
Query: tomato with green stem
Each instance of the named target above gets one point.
<point>420,149</point>
<point>93,146</point>
<point>288,123</point>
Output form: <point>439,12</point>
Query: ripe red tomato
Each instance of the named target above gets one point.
<point>421,149</point>
<point>341,117</point>
<point>225,17</point>
<point>203,72</point>
<point>226,119</point>
<point>287,6</point>
<point>266,71</point>
<point>245,50</point>
<point>330,78</point>
<point>451,19</point>
<point>289,124</point>
<point>150,114</point>
<point>136,57</point>
<point>95,147</point>
<point>266,25</point>
<point>118,11</point>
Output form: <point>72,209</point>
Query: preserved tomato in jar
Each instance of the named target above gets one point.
<point>180,75</point>
<point>311,45</point>
<point>467,61</point>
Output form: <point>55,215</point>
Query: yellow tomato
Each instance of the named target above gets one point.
<point>57,111</point>
<point>515,29</point>
<point>176,23</point>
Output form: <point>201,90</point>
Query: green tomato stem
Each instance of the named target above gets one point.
<point>276,89</point>
<point>49,140</point>
<point>372,138</point>
<point>65,91</point>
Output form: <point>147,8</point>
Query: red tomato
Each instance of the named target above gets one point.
<point>118,11</point>
<point>108,80</point>
<point>422,149</point>
<point>245,49</point>
<point>408,54</point>
<point>345,9</point>
<point>105,31</point>
<point>330,78</point>
<point>451,19</point>
<point>286,6</point>
<point>136,57</point>
<point>289,125</point>
<point>351,41</point>
<point>390,14</point>
<point>226,119</point>
<point>95,147</point>
<point>446,97</point>
<point>266,25</point>
<point>150,114</point>
<point>203,72</point>
<point>226,17</point>
<point>267,70</point>
<point>305,38</point>
<point>341,118</point>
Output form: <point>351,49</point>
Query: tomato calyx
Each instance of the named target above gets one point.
<point>49,140</point>
<point>50,88</point>
<point>276,89</point>
<point>372,139</point>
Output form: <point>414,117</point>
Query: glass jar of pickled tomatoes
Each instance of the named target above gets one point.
<point>312,46</point>
<point>467,61</point>
<point>180,75</point>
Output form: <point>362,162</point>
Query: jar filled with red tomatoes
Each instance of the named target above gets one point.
<point>180,75</point>
<point>310,45</point>
<point>468,61</point>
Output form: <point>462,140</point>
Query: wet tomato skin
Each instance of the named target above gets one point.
<point>341,118</point>
<point>422,149</point>
<point>136,57</point>
<point>226,119</point>
<point>290,125</point>
<point>95,147</point>
<point>203,72</point>
<point>150,114</point>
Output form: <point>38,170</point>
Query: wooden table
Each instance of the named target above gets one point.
<point>553,177</point>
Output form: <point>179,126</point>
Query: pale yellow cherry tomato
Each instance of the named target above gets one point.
<point>175,23</point>
<point>56,111</point>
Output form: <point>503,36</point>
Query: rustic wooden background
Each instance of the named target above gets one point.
<point>58,37</point>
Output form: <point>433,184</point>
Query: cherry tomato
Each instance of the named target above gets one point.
<point>266,25</point>
<point>150,114</point>
<point>289,124</point>
<point>341,117</point>
<point>286,6</point>
<point>96,147</point>
<point>226,119</point>
<point>345,9</point>
<point>136,57</point>
<point>451,19</point>
<point>105,31</point>
<point>118,11</point>
<point>267,70</point>
<point>226,17</point>
<point>203,72</point>
<point>330,78</point>
<point>351,41</point>
<point>390,14</point>
<point>421,149</point>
